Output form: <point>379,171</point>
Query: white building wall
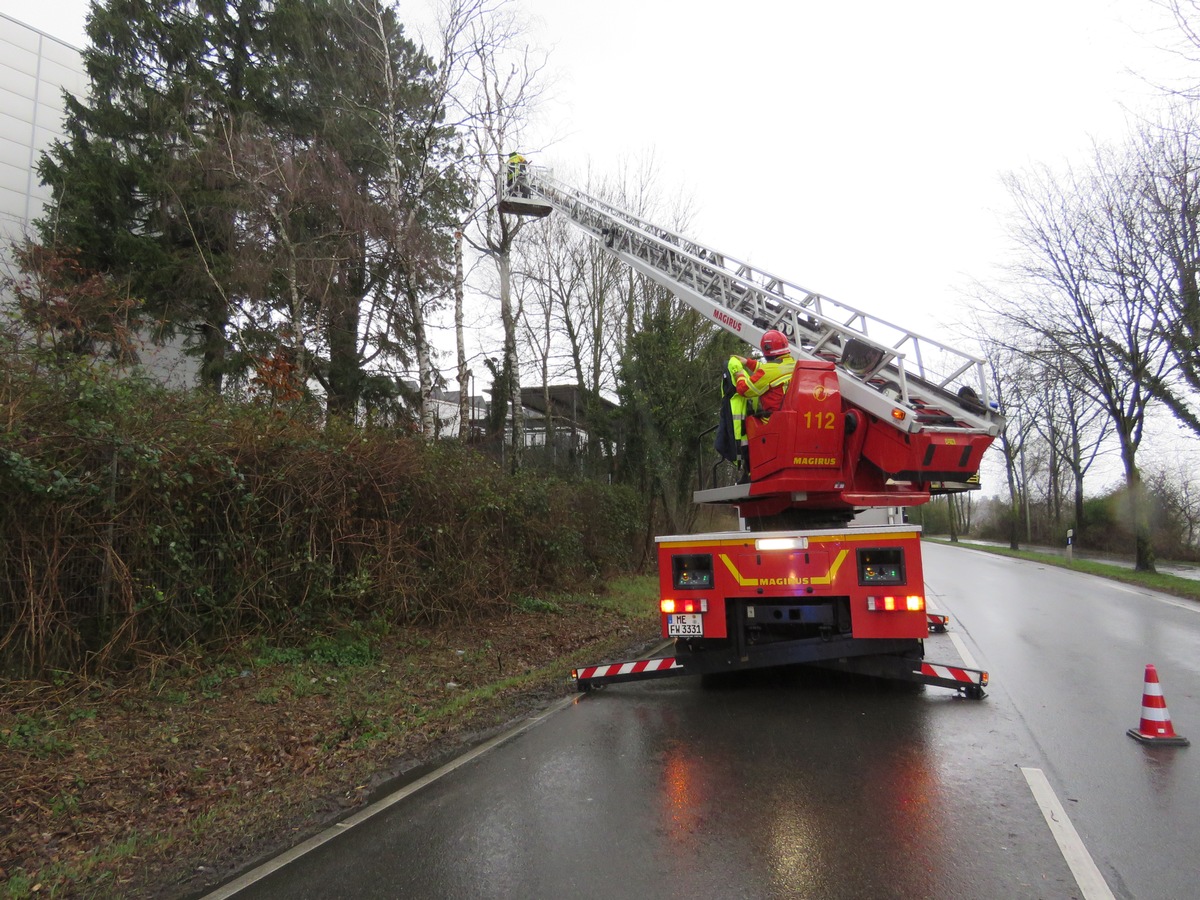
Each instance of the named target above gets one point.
<point>35,69</point>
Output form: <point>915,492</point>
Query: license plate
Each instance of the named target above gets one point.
<point>685,625</point>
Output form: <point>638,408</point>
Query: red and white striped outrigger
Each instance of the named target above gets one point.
<point>969,682</point>
<point>635,670</point>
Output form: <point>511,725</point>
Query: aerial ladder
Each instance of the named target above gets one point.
<point>875,416</point>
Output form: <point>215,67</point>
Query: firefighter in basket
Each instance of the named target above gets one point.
<point>517,186</point>
<point>756,387</point>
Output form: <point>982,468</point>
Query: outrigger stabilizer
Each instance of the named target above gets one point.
<point>970,683</point>
<point>937,622</point>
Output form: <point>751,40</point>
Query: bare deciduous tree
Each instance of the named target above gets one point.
<point>551,279</point>
<point>1167,184</point>
<point>586,302</point>
<point>421,189</point>
<point>1091,299</point>
<point>1175,485</point>
<point>497,81</point>
<point>1005,372</point>
<point>280,273</point>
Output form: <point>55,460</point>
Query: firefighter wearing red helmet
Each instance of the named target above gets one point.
<point>764,380</point>
<point>773,344</point>
<point>760,385</point>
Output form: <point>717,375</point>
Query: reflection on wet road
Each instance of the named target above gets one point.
<point>783,784</point>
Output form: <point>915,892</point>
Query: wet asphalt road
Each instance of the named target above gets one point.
<point>795,784</point>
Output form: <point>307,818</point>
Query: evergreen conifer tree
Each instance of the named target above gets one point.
<point>226,146</point>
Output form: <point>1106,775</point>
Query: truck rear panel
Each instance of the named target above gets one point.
<point>852,582</point>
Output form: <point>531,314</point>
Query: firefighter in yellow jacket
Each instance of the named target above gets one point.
<point>516,175</point>
<point>759,387</point>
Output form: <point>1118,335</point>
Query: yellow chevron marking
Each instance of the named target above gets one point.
<point>828,578</point>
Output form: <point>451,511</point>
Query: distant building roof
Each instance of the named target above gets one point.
<point>567,402</point>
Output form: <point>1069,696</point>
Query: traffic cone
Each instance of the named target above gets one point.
<point>1155,727</point>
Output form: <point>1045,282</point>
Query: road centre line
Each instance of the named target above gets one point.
<point>290,856</point>
<point>1091,883</point>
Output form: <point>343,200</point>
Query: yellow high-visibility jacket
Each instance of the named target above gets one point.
<point>762,382</point>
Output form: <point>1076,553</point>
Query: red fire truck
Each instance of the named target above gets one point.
<point>875,419</point>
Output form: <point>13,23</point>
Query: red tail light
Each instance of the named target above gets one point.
<point>689,605</point>
<point>912,603</point>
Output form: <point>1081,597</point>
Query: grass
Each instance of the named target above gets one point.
<point>1155,581</point>
<point>631,596</point>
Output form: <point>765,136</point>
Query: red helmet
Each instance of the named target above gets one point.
<point>774,344</point>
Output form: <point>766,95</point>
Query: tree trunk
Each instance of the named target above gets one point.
<point>213,342</point>
<point>504,263</point>
<point>426,411</point>
<point>465,404</point>
<point>344,372</point>
<point>548,424</point>
<point>1143,559</point>
<point>1077,471</point>
<point>1014,499</point>
<point>1078,510</point>
<point>1056,491</point>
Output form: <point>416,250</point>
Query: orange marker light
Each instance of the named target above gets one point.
<point>667,606</point>
<point>898,414</point>
<point>916,603</point>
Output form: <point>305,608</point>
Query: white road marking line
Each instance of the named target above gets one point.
<point>379,806</point>
<point>1150,594</point>
<point>1127,590</point>
<point>1091,883</point>
<point>1170,601</point>
<point>963,652</point>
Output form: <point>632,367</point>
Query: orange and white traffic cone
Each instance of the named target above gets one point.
<point>1155,727</point>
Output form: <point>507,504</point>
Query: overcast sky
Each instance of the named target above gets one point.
<point>853,148</point>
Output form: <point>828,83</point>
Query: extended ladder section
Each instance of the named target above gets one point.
<point>913,382</point>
